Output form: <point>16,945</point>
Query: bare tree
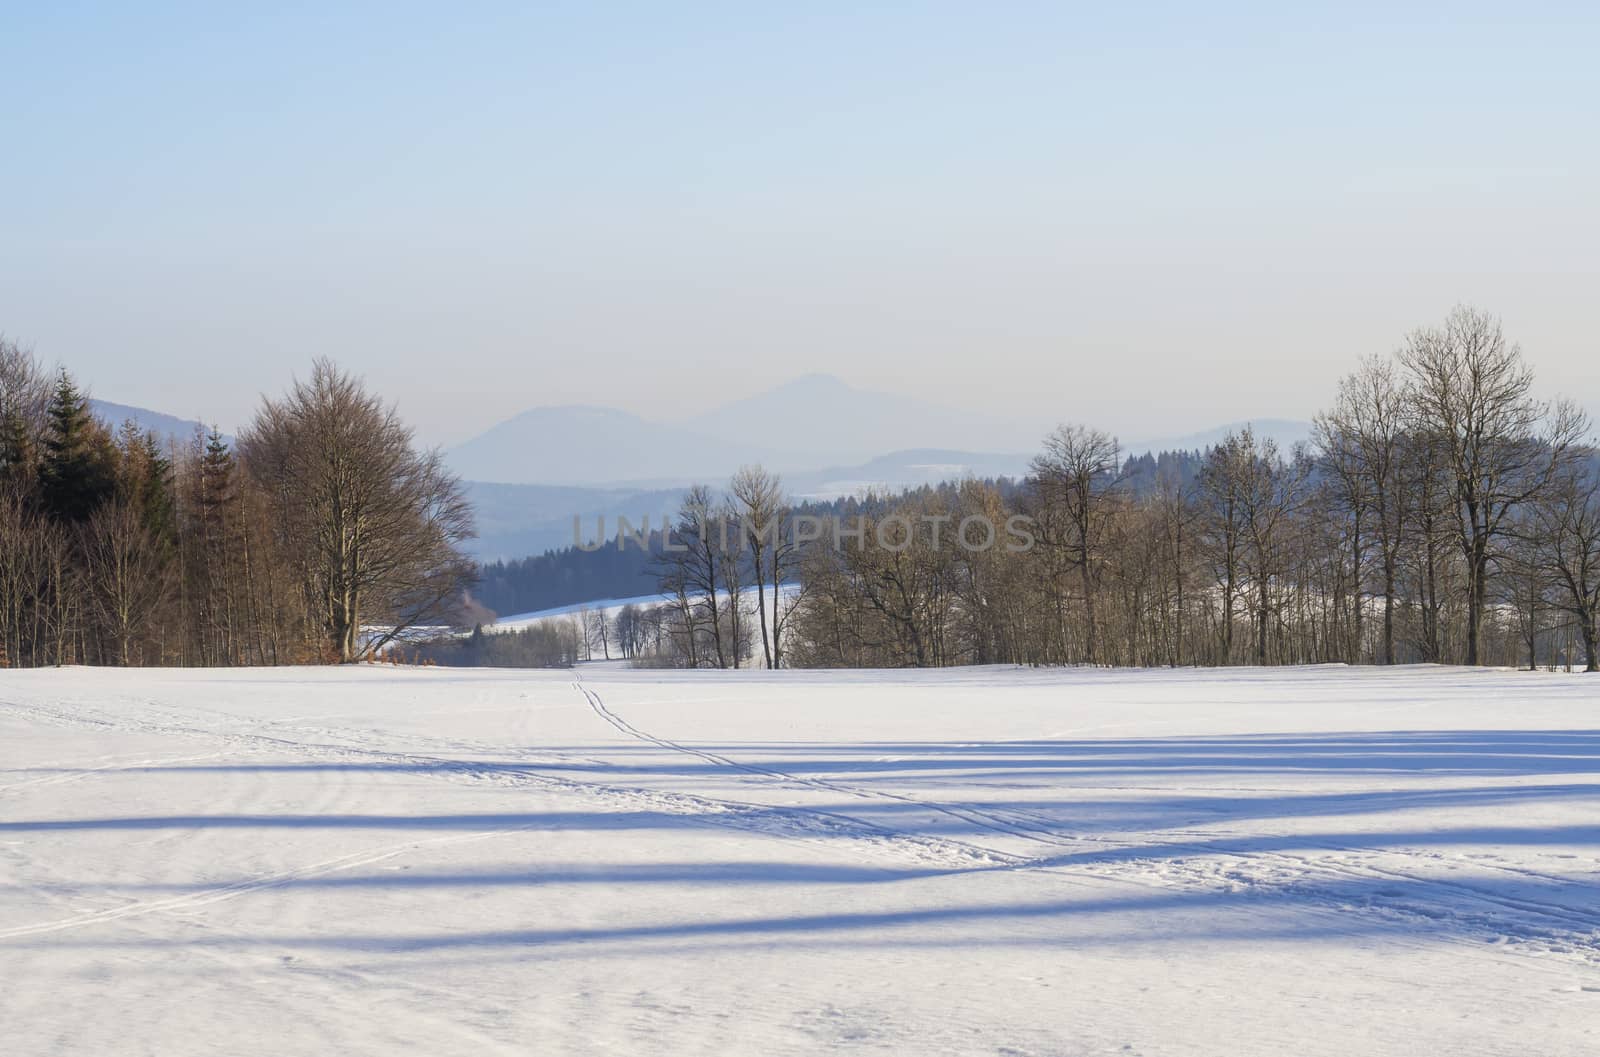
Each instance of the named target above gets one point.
<point>1078,476</point>
<point>25,386</point>
<point>628,631</point>
<point>690,571</point>
<point>596,632</point>
<point>1567,519</point>
<point>1273,492</point>
<point>29,545</point>
<point>1173,517</point>
<point>1224,509</point>
<point>1346,490</point>
<point>1362,441</point>
<point>129,574</point>
<point>762,513</point>
<point>378,523</point>
<point>1428,527</point>
<point>1472,390</point>
<point>732,570</point>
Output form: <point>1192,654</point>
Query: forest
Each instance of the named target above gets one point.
<point>324,536</point>
<point>1442,512</point>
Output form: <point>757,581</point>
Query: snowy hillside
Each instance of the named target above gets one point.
<point>371,860</point>
<point>609,606</point>
<point>612,606</point>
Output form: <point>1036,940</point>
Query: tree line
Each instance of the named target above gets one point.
<point>323,534</point>
<point>595,570</point>
<point>1441,512</point>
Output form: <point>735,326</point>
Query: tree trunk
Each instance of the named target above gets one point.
<point>1088,610</point>
<point>1388,611</point>
<point>1261,631</point>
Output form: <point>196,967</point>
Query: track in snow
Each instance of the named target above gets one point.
<point>1484,914</point>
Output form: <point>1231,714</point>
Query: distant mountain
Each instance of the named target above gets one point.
<point>830,420</point>
<point>1286,432</point>
<point>595,446</point>
<point>162,425</point>
<point>816,420</point>
<point>902,470</point>
<point>519,520</point>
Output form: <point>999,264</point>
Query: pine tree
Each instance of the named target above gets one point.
<point>77,469</point>
<point>216,470</point>
<point>215,514</point>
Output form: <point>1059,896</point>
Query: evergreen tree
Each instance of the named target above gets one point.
<point>216,514</point>
<point>216,475</point>
<point>77,470</point>
<point>144,481</point>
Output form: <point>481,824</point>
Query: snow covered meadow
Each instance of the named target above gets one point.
<point>975,861</point>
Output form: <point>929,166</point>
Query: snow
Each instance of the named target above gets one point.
<point>979,861</point>
<point>610,607</point>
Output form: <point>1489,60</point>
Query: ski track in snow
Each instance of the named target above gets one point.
<point>1538,920</point>
<point>397,994</point>
<point>255,884</point>
<point>1542,927</point>
<point>790,822</point>
<point>1548,928</point>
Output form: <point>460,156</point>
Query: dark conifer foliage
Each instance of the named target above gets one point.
<point>118,548</point>
<point>77,469</point>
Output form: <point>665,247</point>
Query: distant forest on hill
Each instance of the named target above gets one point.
<point>572,575</point>
<point>1441,512</point>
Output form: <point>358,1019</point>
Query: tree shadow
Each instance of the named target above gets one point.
<point>1325,909</point>
<point>1183,779</point>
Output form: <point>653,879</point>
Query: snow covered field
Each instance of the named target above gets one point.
<point>750,596</point>
<point>377,860</point>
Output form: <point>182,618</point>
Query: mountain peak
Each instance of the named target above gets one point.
<point>571,413</point>
<point>815,382</point>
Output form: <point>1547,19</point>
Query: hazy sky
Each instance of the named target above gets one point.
<point>1151,217</point>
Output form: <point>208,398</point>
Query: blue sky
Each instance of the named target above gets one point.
<point>1153,217</point>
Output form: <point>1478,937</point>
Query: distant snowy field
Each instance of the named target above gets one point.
<point>609,606</point>
<point>750,597</point>
<point>981,861</point>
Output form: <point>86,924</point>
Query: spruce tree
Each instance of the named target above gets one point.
<point>216,516</point>
<point>77,470</point>
<point>216,475</point>
<point>146,483</point>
